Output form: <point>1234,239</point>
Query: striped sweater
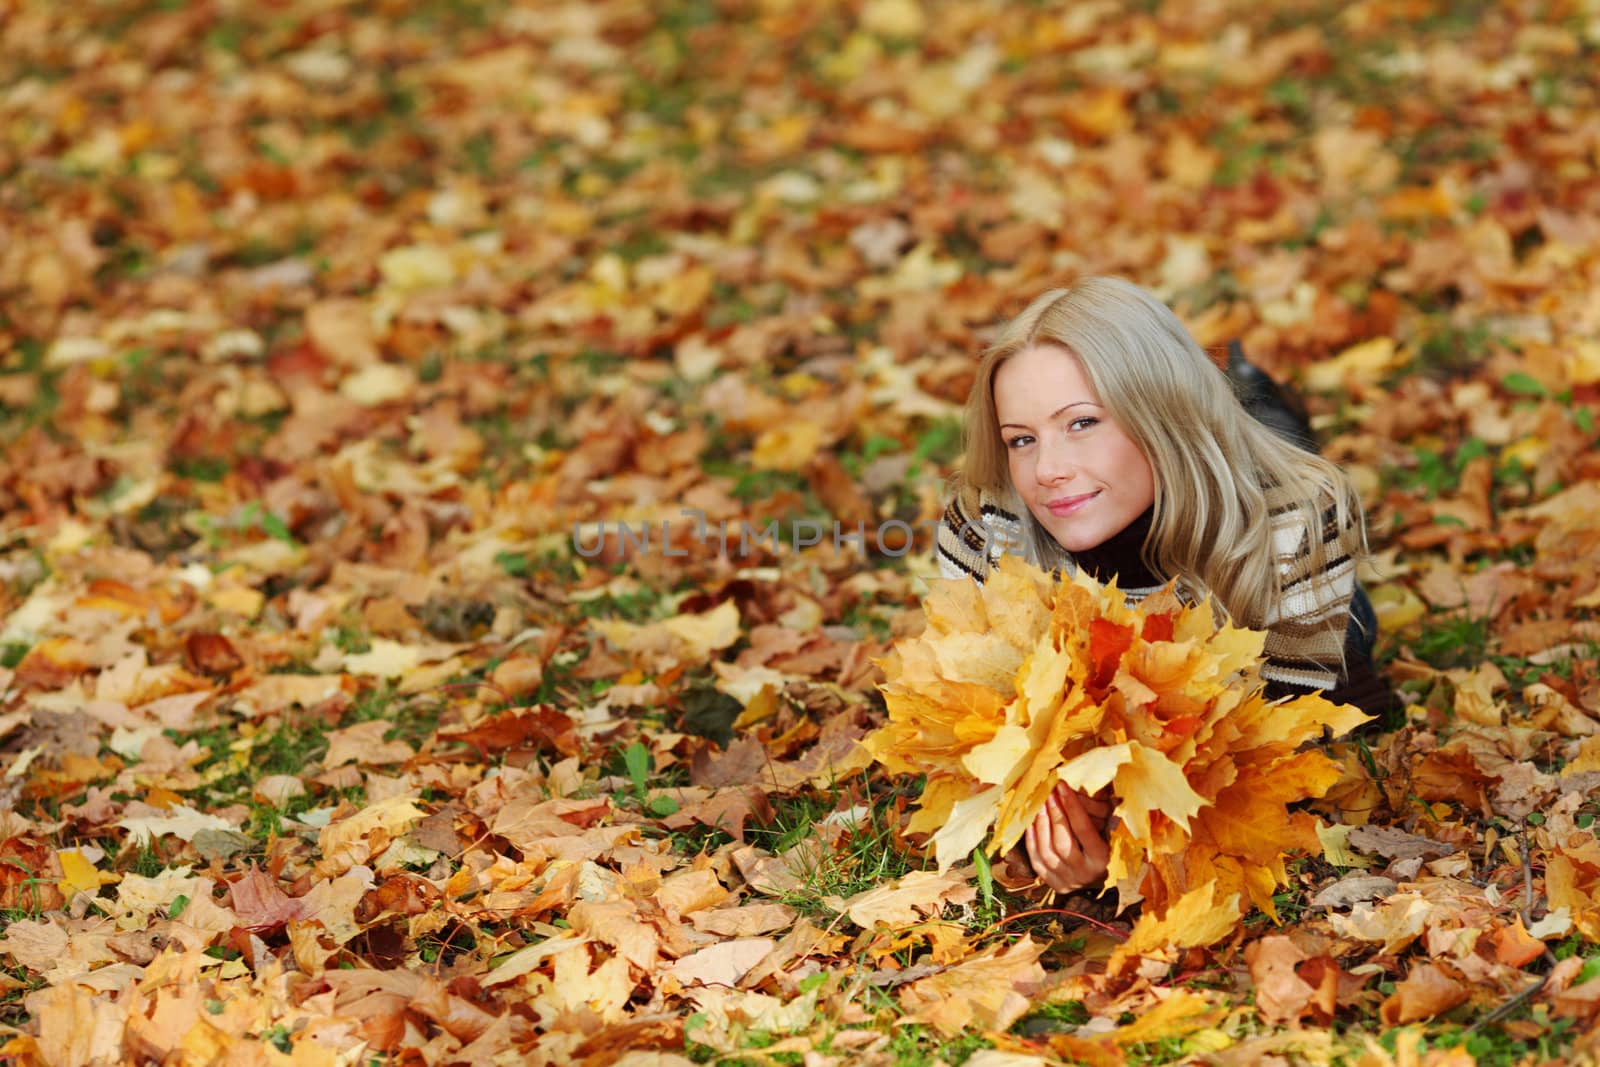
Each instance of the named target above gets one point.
<point>1306,632</point>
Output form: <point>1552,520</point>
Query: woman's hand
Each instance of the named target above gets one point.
<point>1067,841</point>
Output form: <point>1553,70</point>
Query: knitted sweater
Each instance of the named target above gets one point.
<point>1305,632</point>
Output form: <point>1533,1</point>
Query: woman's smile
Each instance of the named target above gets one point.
<point>1068,504</point>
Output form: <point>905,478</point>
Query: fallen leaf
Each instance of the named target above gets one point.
<point>908,899</point>
<point>180,821</point>
<point>1354,888</point>
<point>342,331</point>
<point>723,963</point>
<point>1194,919</point>
<point>260,904</point>
<point>991,990</point>
<point>363,743</point>
<point>1425,992</point>
<point>1392,843</point>
<point>350,841</point>
<point>1281,994</point>
<point>744,921</point>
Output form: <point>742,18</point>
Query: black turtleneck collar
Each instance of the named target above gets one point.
<point>1119,555</point>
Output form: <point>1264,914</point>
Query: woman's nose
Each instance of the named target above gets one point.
<point>1054,464</point>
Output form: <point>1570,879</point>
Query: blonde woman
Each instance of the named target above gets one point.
<point>1099,435</point>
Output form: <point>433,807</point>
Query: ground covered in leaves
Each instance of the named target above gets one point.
<point>343,722</point>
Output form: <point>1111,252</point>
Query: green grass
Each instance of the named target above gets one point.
<point>867,854</point>
<point>23,982</point>
<point>1448,351</point>
<point>1454,640</point>
<point>27,357</point>
<point>1052,1017</point>
<point>909,1045</point>
<point>1492,1046</point>
<point>916,1046</point>
<point>201,468</point>
<point>638,606</point>
<point>290,746</point>
<point>1165,1050</point>
<point>29,897</point>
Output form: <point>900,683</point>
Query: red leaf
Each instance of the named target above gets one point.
<point>536,729</point>
<point>1157,627</point>
<point>402,894</point>
<point>1107,642</point>
<point>212,654</point>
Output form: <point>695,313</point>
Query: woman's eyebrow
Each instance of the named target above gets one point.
<point>1057,413</point>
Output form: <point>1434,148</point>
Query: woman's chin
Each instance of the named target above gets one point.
<point>1074,537</point>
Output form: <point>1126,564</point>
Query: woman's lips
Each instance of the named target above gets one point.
<point>1068,504</point>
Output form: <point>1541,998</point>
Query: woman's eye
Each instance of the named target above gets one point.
<point>1019,441</point>
<point>1084,423</point>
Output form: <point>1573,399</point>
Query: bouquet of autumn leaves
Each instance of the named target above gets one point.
<point>1026,681</point>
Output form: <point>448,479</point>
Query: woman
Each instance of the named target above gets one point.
<point>1100,435</point>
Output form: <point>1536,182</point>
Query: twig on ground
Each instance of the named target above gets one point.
<point>1112,930</point>
<point>1527,874</point>
<point>1516,1000</point>
<point>1521,997</point>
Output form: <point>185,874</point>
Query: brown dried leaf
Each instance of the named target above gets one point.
<point>1426,991</point>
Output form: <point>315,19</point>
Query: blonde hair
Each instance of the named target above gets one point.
<point>1212,462</point>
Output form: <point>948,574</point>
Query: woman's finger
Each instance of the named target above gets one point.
<point>1036,839</point>
<point>1061,834</point>
<point>1086,831</point>
<point>1072,833</point>
<point>1047,862</point>
<point>1098,807</point>
<point>1064,843</point>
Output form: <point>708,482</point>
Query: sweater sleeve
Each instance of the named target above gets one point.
<point>973,536</point>
<point>960,544</point>
<point>1361,686</point>
<point>1306,629</point>
<point>1308,645</point>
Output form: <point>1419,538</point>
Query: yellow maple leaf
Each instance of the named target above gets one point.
<point>998,759</point>
<point>78,875</point>
<point>1574,885</point>
<point>1149,782</point>
<point>968,821</point>
<point>1095,769</point>
<point>991,990</point>
<point>1181,1013</point>
<point>1196,918</point>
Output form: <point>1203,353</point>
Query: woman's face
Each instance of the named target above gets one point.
<point>1081,476</point>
